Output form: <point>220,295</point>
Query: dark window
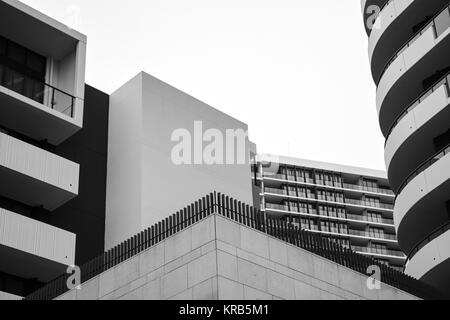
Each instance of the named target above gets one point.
<point>2,47</point>
<point>36,62</point>
<point>17,53</point>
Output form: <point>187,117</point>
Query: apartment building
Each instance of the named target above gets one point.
<point>352,206</point>
<point>409,58</point>
<point>53,139</point>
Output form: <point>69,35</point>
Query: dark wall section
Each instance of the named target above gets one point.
<point>85,215</point>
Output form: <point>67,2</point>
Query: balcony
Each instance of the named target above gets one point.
<point>430,260</point>
<point>420,207</point>
<point>34,176</point>
<point>384,252</point>
<point>416,127</point>
<point>331,185</point>
<point>341,201</point>
<point>33,250</point>
<point>366,234</point>
<point>395,24</point>
<point>50,109</point>
<point>418,59</point>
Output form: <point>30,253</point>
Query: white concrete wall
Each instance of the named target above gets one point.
<point>220,259</point>
<point>144,185</point>
<point>36,238</point>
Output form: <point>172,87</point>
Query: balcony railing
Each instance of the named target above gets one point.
<point>369,219</point>
<point>333,184</point>
<point>367,234</point>
<point>445,80</point>
<point>338,200</point>
<point>36,90</point>
<point>431,24</point>
<point>385,252</point>
<point>434,235</point>
<point>428,163</point>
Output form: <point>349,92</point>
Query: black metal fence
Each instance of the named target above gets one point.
<point>217,203</point>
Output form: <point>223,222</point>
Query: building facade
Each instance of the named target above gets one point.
<point>53,140</point>
<point>148,122</point>
<point>409,46</point>
<point>352,206</point>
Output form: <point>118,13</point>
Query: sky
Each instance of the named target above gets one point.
<point>296,71</point>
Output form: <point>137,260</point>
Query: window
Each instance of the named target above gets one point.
<point>16,53</point>
<point>376,232</point>
<point>36,63</point>
<point>293,206</point>
<point>292,191</point>
<point>337,181</point>
<point>324,226</point>
<point>319,178</point>
<point>341,212</point>
<point>2,46</point>
<point>373,202</point>
<point>343,228</point>
<point>300,175</point>
<point>442,22</point>
<point>369,184</point>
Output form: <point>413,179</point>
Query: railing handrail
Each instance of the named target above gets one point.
<point>344,185</point>
<point>407,110</point>
<point>45,84</point>
<point>38,80</point>
<point>432,236</point>
<point>411,40</point>
<point>217,203</point>
<point>422,167</point>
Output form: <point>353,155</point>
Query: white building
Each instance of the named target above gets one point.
<point>409,57</point>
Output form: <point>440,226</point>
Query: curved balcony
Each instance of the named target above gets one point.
<point>415,128</point>
<point>406,73</point>
<point>396,23</point>
<point>421,204</point>
<point>430,261</point>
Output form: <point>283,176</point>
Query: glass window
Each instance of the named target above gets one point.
<point>442,22</point>
<point>2,46</point>
<point>16,53</point>
<point>36,63</point>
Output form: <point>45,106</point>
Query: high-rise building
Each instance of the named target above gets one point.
<point>351,206</point>
<point>409,46</point>
<point>53,146</point>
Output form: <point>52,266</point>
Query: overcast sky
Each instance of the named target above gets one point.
<point>296,71</point>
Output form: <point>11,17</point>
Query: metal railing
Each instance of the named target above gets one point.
<point>333,185</point>
<point>342,201</point>
<point>411,40</point>
<point>38,91</point>
<point>445,80</point>
<point>433,235</point>
<point>216,203</point>
<point>368,234</point>
<point>385,252</point>
<point>324,214</point>
<point>424,166</point>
